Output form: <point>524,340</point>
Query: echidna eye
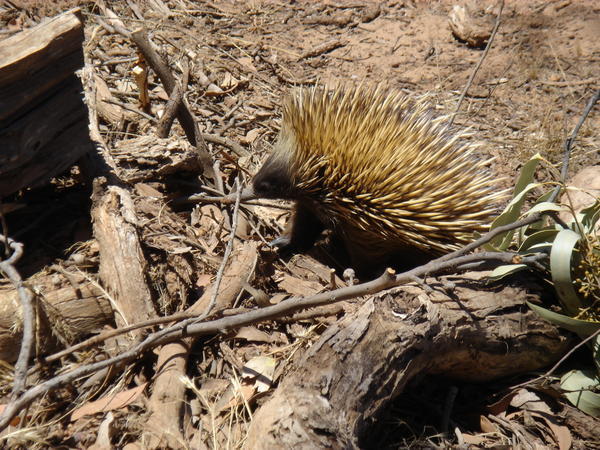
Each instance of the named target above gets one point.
<point>273,180</point>
<point>264,187</point>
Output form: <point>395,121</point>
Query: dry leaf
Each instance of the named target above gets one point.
<point>161,93</point>
<point>486,425</point>
<point>180,250</point>
<point>473,439</point>
<point>262,368</point>
<point>204,280</point>
<point>248,63</point>
<point>501,405</point>
<point>561,433</point>
<point>214,384</point>
<point>296,286</point>
<point>229,82</point>
<point>530,401</point>
<point>213,90</point>
<point>145,190</point>
<point>109,402</point>
<point>233,396</point>
<point>251,136</point>
<point>105,432</point>
<point>253,334</point>
<point>277,298</point>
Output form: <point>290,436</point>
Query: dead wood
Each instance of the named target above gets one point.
<point>361,363</point>
<point>167,400</point>
<point>43,119</point>
<point>123,266</point>
<point>148,158</point>
<point>66,313</point>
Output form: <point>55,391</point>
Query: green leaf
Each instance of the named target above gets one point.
<point>545,236</point>
<point>544,207</point>
<point>505,270</point>
<point>588,217</point>
<point>511,214</point>
<point>560,270</point>
<point>581,327</point>
<point>579,386</point>
<point>513,210</point>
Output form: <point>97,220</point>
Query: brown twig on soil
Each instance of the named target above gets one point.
<point>569,144</point>
<point>7,266</point>
<point>322,48</point>
<point>569,83</point>
<point>228,249</point>
<point>166,121</point>
<point>478,66</point>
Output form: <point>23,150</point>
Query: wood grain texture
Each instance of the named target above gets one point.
<point>367,359</point>
<point>43,119</point>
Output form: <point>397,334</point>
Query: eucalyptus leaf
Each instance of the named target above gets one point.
<point>545,236</point>
<point>505,270</point>
<point>560,269</point>
<point>511,214</point>
<point>544,207</point>
<point>588,217</point>
<point>580,327</point>
<point>579,386</point>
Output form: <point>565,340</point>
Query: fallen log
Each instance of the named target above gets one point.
<point>467,332</point>
<point>68,311</point>
<point>43,119</point>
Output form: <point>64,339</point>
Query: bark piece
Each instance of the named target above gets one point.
<point>362,362</point>
<point>148,157</point>
<point>43,120</point>
<point>466,27</point>
<point>123,266</point>
<point>67,312</point>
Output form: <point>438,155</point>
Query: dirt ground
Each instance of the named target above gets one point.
<point>244,56</point>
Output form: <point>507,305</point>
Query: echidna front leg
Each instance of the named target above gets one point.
<point>301,231</point>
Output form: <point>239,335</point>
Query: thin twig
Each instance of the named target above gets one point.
<point>8,267</point>
<point>478,66</point>
<point>228,250</point>
<point>569,144</point>
<point>131,108</point>
<point>166,121</point>
<point>220,140</point>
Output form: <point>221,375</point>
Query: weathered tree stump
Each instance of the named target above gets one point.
<point>364,361</point>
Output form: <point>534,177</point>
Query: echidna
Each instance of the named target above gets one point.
<point>380,170</point>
